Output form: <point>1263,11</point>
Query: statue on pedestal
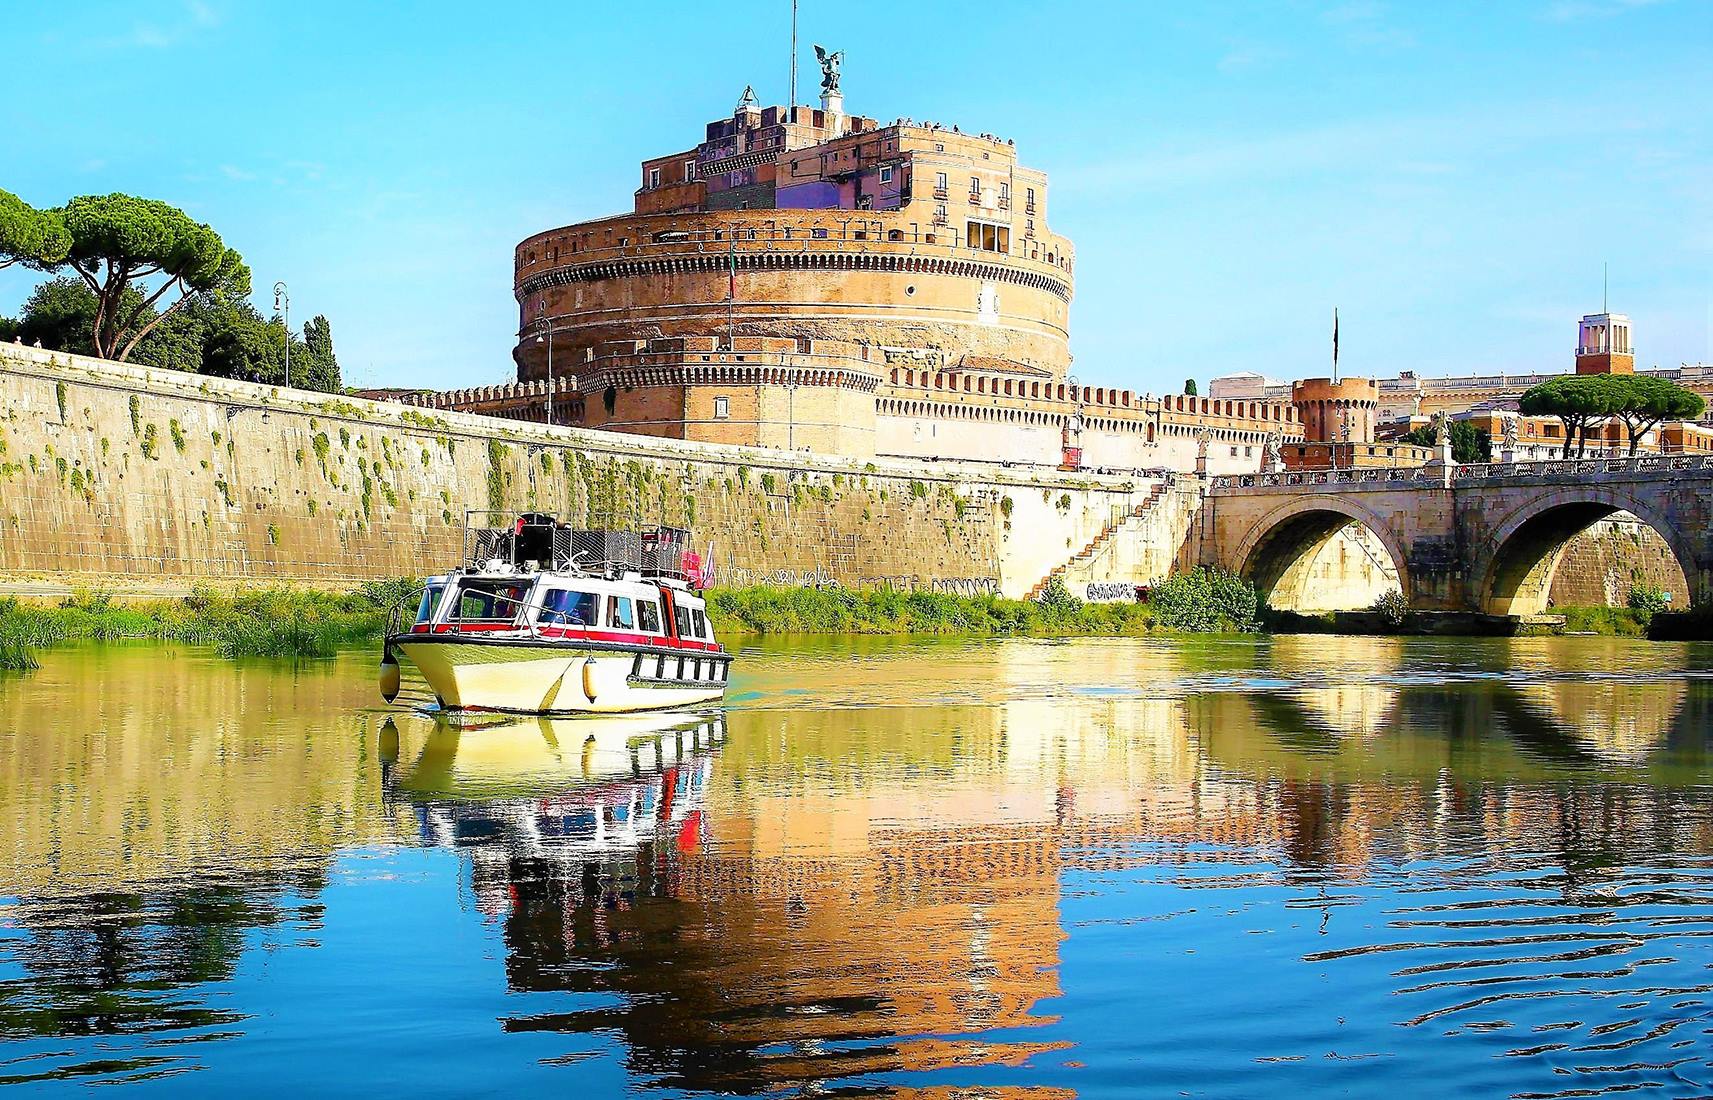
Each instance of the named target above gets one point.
<point>1271,462</point>
<point>1508,454</point>
<point>830,63</point>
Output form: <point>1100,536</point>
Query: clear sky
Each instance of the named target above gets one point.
<point>1449,175</point>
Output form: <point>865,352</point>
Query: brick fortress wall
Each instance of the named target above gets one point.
<point>116,474</point>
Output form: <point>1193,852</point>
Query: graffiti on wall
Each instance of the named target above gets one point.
<point>736,576</point>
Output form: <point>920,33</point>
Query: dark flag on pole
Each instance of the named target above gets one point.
<point>1335,343</point>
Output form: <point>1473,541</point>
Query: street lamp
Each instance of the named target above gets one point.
<point>549,338</point>
<point>282,305</point>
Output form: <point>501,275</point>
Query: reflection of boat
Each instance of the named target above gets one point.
<point>541,619</point>
<point>566,789</point>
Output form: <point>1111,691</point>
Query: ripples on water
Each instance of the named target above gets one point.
<point>1025,869</point>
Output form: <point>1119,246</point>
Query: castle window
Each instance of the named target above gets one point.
<point>654,177</point>
<point>689,171</point>
<point>722,408</point>
<point>818,234</point>
<point>895,234</point>
<point>886,173</point>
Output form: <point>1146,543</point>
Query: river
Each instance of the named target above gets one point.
<point>1018,869</point>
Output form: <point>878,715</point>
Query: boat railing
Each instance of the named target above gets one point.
<point>548,541</point>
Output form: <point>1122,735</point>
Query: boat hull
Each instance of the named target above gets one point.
<point>532,676</point>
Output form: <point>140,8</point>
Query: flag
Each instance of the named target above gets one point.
<point>1335,343</point>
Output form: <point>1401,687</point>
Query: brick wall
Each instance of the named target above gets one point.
<point>108,471</point>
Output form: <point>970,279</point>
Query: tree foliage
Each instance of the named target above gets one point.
<point>1583,402</point>
<point>1643,401</point>
<point>119,241</point>
<point>1468,442</point>
<point>211,333</point>
<point>34,238</point>
<point>1189,387</point>
<point>1206,600</point>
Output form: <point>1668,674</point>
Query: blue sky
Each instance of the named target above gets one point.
<point>1449,175</point>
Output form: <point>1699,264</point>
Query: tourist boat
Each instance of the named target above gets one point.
<point>545,619</point>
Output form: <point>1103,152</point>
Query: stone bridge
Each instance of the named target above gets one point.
<point>1484,538</point>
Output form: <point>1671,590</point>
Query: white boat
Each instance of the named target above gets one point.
<point>542,619</point>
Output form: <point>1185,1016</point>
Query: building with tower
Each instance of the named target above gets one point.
<point>807,279</point>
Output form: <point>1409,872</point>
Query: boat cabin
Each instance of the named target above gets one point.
<point>630,610</point>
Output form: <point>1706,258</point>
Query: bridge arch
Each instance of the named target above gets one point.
<point>1514,571</point>
<point>1280,552</point>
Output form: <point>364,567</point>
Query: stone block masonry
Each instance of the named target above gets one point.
<point>121,475</point>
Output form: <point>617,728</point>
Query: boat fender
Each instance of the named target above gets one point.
<point>389,675</point>
<point>589,689</point>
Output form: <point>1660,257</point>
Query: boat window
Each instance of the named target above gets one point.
<point>682,614</point>
<point>563,606</point>
<point>701,623</point>
<point>648,616</point>
<point>618,612</point>
<point>430,603</point>
<point>489,602</point>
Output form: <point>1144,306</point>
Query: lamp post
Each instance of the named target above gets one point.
<point>549,338</point>
<point>282,303</point>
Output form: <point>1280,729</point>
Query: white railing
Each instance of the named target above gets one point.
<point>1552,467</point>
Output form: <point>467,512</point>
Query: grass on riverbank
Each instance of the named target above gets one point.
<point>272,623</point>
<point>281,623</point>
<point>765,610</point>
<point>1616,622</point>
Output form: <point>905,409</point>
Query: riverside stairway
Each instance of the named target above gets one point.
<point>1101,540</point>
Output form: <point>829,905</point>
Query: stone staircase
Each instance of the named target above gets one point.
<point>1100,541</point>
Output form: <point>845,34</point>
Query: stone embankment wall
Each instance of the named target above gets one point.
<point>1601,565</point>
<point>111,474</point>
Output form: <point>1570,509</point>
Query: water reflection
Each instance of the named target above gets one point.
<point>1026,869</point>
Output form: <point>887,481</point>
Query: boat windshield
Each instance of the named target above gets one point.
<point>430,603</point>
<point>489,602</point>
<point>568,607</point>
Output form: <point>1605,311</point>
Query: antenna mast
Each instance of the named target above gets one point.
<point>793,104</point>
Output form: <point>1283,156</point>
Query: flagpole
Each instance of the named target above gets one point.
<point>793,105</point>
<point>1335,344</point>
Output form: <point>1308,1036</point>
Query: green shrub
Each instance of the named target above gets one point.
<point>1647,598</point>
<point>1392,607</point>
<point>1206,600</point>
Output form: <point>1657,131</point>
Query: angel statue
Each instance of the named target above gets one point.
<point>1442,429</point>
<point>1270,448</point>
<point>1510,433</point>
<point>830,63</point>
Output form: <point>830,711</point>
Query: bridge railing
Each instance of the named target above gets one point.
<point>1475,471</point>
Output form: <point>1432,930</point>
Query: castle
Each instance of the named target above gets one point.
<point>805,279</point>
